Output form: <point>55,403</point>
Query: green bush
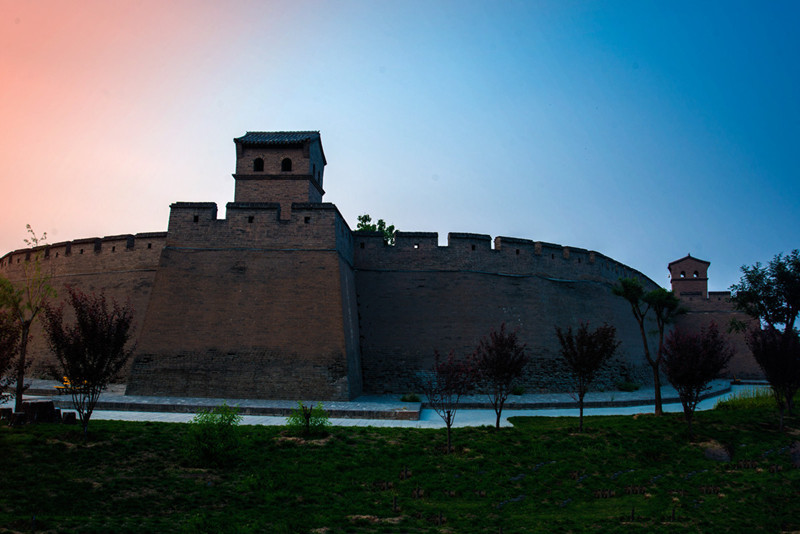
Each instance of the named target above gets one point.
<point>628,386</point>
<point>308,421</point>
<point>756,397</point>
<point>518,390</point>
<point>410,397</point>
<point>213,436</point>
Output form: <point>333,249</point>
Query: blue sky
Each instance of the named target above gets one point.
<point>642,130</point>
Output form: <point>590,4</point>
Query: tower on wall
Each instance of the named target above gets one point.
<point>282,167</point>
<point>260,304</point>
<point>689,277</point>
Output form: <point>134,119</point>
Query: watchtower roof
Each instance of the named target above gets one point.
<point>280,138</point>
<point>688,257</point>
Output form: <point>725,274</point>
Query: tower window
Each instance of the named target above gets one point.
<point>258,165</point>
<point>250,219</point>
<point>286,165</point>
<point>683,274</point>
<point>306,220</point>
<point>517,252</point>
<point>473,247</point>
<point>196,218</point>
<point>149,245</point>
<point>696,274</point>
<point>361,245</point>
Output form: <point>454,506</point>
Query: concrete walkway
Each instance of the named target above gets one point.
<point>383,410</point>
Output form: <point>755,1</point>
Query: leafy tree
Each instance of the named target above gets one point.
<point>665,306</point>
<point>9,343</point>
<point>450,380</point>
<point>500,360</point>
<point>365,224</point>
<point>92,351</point>
<point>24,304</point>
<point>691,361</point>
<point>585,353</point>
<point>770,294</point>
<point>778,355</point>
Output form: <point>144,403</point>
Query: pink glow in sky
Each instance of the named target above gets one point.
<point>641,130</point>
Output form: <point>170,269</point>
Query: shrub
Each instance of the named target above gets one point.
<point>213,435</point>
<point>518,390</point>
<point>628,386</point>
<point>308,421</point>
<point>410,397</point>
<point>755,397</point>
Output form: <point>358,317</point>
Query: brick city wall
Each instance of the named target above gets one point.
<point>122,266</point>
<point>417,297</point>
<point>252,306</point>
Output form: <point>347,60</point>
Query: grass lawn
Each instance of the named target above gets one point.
<point>624,473</point>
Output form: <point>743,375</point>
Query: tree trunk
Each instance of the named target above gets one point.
<point>448,437</point>
<point>580,419</point>
<point>23,349</point>
<point>498,410</point>
<point>657,386</point>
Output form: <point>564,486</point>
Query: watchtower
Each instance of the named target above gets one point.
<point>689,277</point>
<point>282,167</point>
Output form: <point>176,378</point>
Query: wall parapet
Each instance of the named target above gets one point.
<point>469,252</point>
<point>84,246</point>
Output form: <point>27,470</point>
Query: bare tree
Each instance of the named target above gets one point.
<point>585,353</point>
<point>25,302</point>
<point>691,361</point>
<point>92,351</point>
<point>500,360</point>
<point>449,380</point>
<point>778,355</point>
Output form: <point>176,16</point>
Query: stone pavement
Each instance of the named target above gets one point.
<point>381,410</point>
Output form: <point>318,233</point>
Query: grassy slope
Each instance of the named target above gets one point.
<point>540,476</point>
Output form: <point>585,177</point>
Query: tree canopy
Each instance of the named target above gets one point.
<point>585,353</point>
<point>691,361</point>
<point>92,351</point>
<point>500,360</point>
<point>365,224</point>
<point>771,293</point>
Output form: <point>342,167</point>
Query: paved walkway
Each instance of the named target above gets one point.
<point>384,410</point>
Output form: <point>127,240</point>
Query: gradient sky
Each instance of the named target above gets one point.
<point>642,130</point>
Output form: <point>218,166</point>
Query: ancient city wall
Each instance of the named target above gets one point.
<point>417,297</point>
<point>123,267</point>
<point>251,305</point>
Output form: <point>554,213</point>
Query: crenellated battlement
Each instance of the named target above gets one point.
<point>259,226</point>
<point>92,254</point>
<point>474,252</point>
